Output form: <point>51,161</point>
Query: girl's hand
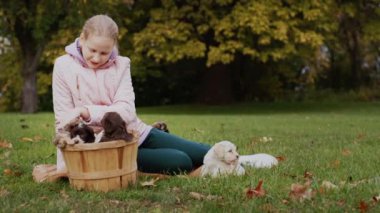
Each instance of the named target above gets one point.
<point>84,113</point>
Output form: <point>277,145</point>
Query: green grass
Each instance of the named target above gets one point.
<point>334,141</point>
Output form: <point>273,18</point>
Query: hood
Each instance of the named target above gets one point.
<point>75,51</point>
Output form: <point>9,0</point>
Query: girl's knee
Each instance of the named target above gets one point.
<point>182,163</point>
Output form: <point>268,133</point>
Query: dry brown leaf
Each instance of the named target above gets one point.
<point>5,155</point>
<point>8,172</point>
<point>346,152</point>
<point>5,144</point>
<point>335,164</point>
<point>257,192</point>
<point>64,195</point>
<point>267,207</point>
<point>285,202</point>
<point>4,192</point>
<point>301,192</point>
<point>196,195</point>
<point>150,183</point>
<point>176,189</point>
<point>26,139</point>
<point>308,175</point>
<point>199,196</point>
<point>328,185</point>
<point>341,202</point>
<point>177,200</point>
<point>360,136</point>
<point>213,197</point>
<point>37,138</point>
<point>280,158</point>
<point>363,206</point>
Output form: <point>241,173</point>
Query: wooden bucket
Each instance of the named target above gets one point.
<point>102,166</point>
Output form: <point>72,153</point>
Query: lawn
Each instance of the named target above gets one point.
<point>329,142</point>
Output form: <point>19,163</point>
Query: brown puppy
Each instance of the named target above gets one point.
<point>114,128</point>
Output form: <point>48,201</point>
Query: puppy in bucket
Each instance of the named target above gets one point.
<point>73,133</point>
<point>114,128</point>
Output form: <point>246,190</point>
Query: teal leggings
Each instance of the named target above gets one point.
<point>162,152</point>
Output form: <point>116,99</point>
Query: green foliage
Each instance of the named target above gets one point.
<point>220,30</point>
<point>10,82</point>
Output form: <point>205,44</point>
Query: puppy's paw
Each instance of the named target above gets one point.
<point>61,140</point>
<point>76,140</point>
<point>161,126</point>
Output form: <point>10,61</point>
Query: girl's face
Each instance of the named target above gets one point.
<point>96,50</point>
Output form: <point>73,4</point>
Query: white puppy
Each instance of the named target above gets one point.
<point>222,159</point>
<point>260,160</point>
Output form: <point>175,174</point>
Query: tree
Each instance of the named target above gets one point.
<point>32,23</point>
<point>358,31</point>
<point>218,31</point>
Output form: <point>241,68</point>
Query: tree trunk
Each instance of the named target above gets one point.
<point>29,75</point>
<point>216,86</point>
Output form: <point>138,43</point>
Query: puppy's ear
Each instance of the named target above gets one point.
<point>72,124</point>
<point>219,151</point>
<point>107,125</point>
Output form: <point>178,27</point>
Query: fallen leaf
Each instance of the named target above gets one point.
<point>196,195</point>
<point>363,206</point>
<point>176,190</point>
<point>64,195</point>
<point>5,144</point>
<point>284,201</point>
<point>198,130</point>
<point>26,139</point>
<point>267,207</point>
<point>37,138</point>
<point>265,139</point>
<point>301,192</point>
<point>360,136</point>
<point>44,198</point>
<point>328,185</point>
<point>213,197</point>
<point>199,196</point>
<point>115,202</point>
<point>7,172</point>
<point>335,164</point>
<point>177,200</point>
<point>346,152</point>
<point>341,202</point>
<point>257,192</point>
<point>308,175</point>
<point>4,192</point>
<point>280,158</point>
<point>150,183</point>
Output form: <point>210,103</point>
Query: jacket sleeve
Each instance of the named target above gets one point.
<point>62,97</point>
<point>123,101</point>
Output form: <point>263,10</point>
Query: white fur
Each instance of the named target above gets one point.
<point>77,140</point>
<point>260,160</point>
<point>99,136</point>
<point>222,159</point>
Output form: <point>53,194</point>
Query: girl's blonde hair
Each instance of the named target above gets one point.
<point>101,25</point>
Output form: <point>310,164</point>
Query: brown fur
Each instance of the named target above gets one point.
<point>114,128</point>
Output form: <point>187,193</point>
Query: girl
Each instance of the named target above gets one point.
<point>91,79</point>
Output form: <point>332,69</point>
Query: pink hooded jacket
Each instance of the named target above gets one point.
<point>108,88</point>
